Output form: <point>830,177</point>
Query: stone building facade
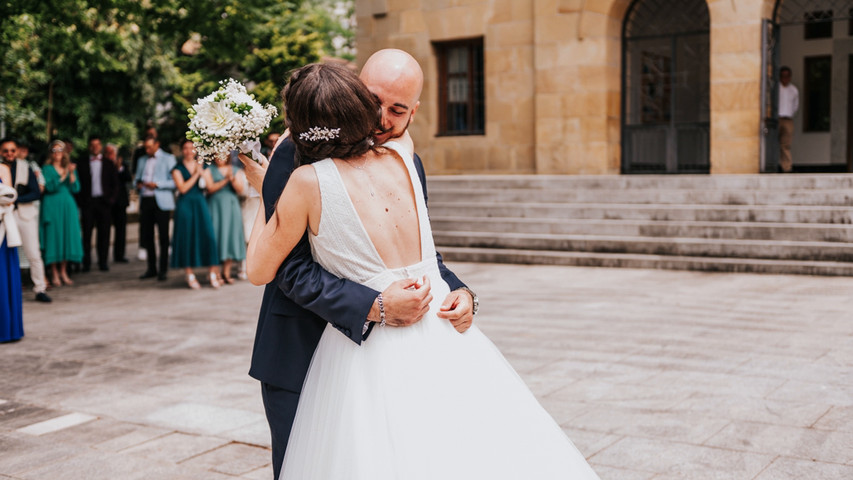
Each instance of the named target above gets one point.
<point>614,86</point>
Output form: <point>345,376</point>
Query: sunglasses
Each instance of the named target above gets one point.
<point>57,150</point>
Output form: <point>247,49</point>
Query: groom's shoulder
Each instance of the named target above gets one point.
<point>283,158</point>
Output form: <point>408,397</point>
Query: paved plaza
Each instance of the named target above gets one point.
<point>653,374</point>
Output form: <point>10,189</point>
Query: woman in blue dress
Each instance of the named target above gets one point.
<point>224,183</point>
<point>193,242</point>
<point>11,299</point>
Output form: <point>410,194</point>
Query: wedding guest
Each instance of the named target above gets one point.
<point>157,200</point>
<point>61,241</point>
<point>224,184</point>
<point>24,154</point>
<point>193,241</point>
<point>119,210</point>
<point>24,180</point>
<point>11,301</point>
<point>98,190</point>
<point>269,143</point>
<point>138,153</point>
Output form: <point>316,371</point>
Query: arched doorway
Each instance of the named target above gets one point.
<point>666,87</point>
<point>814,38</point>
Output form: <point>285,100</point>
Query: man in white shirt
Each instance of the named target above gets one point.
<point>789,102</point>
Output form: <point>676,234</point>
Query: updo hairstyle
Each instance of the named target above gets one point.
<point>329,96</point>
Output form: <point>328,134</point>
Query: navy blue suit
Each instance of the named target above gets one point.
<point>295,309</point>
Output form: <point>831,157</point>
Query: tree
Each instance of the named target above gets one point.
<point>71,68</point>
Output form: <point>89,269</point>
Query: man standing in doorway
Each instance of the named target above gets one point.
<point>789,102</point>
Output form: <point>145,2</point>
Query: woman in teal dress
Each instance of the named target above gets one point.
<point>193,242</point>
<point>59,226</point>
<point>11,299</point>
<point>224,183</point>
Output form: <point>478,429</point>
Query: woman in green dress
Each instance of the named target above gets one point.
<point>59,226</point>
<point>193,242</point>
<point>224,183</point>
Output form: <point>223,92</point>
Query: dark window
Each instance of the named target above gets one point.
<point>461,92</point>
<point>817,91</point>
<point>850,22</point>
<point>818,24</point>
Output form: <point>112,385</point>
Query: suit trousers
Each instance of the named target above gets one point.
<point>150,215</point>
<point>97,214</point>
<point>27,216</point>
<point>786,136</point>
<point>280,406</point>
<point>119,217</point>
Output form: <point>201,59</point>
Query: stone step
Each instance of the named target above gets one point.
<point>618,182</point>
<point>836,197</point>
<point>698,247</point>
<point>800,232</point>
<point>656,212</point>
<point>623,260</point>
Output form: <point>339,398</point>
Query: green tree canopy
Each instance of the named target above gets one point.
<point>72,68</point>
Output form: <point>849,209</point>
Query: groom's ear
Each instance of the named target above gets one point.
<point>414,110</point>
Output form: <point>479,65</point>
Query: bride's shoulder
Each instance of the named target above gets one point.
<point>304,177</point>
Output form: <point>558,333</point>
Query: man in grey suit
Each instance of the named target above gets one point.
<point>156,202</point>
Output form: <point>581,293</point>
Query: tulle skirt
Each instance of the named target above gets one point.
<point>422,402</point>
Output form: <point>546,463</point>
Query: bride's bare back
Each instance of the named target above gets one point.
<point>380,188</point>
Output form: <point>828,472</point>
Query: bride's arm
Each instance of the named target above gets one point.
<point>271,242</point>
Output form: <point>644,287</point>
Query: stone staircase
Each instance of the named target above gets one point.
<point>799,224</point>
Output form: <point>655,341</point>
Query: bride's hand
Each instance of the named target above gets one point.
<point>254,171</point>
<point>405,302</point>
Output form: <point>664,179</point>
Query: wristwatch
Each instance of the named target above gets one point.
<point>475,299</point>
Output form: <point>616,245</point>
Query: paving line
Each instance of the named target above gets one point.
<point>57,424</point>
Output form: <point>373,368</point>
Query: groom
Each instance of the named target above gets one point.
<point>305,297</point>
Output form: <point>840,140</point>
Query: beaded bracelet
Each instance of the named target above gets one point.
<point>381,311</point>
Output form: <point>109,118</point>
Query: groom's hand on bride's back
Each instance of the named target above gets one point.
<point>405,302</point>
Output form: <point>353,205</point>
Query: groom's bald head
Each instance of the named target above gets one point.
<point>397,79</point>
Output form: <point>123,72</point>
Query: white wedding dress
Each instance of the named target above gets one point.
<point>416,403</point>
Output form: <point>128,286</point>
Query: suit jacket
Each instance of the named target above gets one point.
<point>28,189</point>
<point>124,177</point>
<point>304,297</point>
<point>109,181</point>
<point>165,191</point>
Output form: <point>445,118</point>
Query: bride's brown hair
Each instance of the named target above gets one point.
<point>330,99</point>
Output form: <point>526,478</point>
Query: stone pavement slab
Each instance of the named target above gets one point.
<point>653,374</point>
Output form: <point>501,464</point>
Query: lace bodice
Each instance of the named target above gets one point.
<point>343,246</point>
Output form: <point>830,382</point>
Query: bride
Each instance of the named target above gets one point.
<point>421,402</point>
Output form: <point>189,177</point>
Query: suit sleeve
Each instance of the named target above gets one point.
<point>124,176</point>
<point>452,280</point>
<point>343,303</point>
<point>33,192</point>
<point>169,182</point>
<point>111,173</point>
<point>140,168</point>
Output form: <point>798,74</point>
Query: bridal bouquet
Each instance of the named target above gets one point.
<point>229,118</point>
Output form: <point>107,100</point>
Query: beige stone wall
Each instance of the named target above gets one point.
<point>553,81</point>
<point>736,84</point>
<point>507,30</point>
<point>578,54</point>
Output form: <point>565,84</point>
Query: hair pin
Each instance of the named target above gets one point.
<point>320,133</point>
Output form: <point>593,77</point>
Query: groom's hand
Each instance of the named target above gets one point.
<point>458,307</point>
<point>405,301</point>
